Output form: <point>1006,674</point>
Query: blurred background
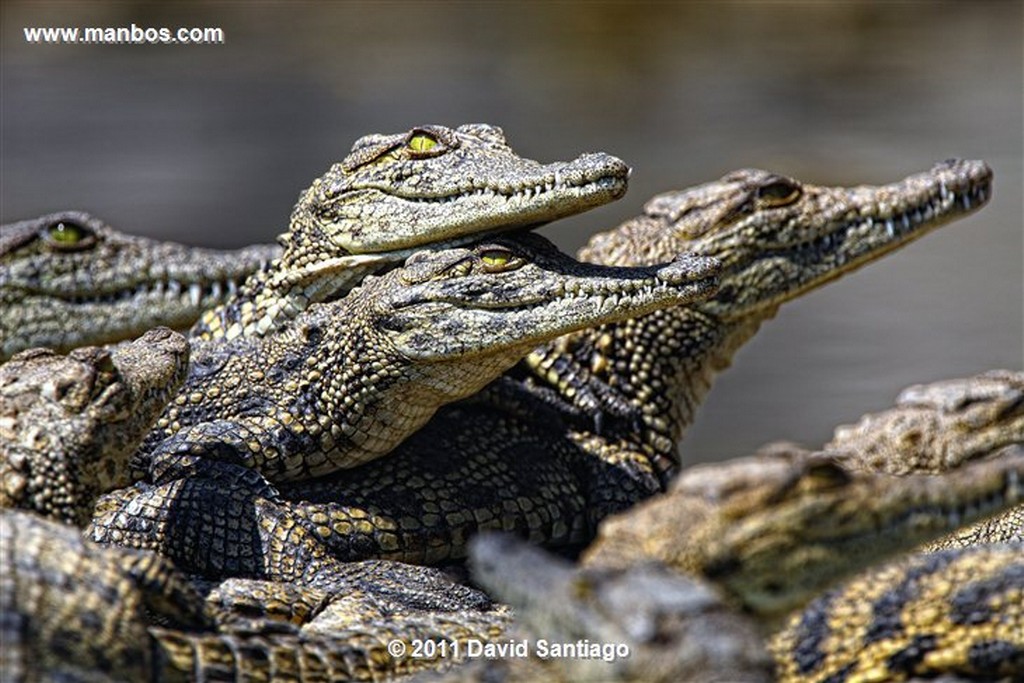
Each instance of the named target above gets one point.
<point>211,145</point>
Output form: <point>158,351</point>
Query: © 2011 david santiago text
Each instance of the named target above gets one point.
<point>510,649</point>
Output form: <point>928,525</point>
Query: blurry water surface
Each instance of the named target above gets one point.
<point>211,145</point>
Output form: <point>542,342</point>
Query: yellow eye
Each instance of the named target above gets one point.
<point>496,258</point>
<point>421,142</point>
<point>69,235</point>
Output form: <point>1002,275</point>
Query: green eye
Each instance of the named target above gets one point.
<point>421,142</point>
<point>496,258</point>
<point>66,233</point>
<point>69,235</point>
<point>778,193</point>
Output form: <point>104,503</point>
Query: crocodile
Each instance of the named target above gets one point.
<point>693,580</point>
<point>777,239</point>
<point>350,379</point>
<point>775,529</point>
<point>78,612</point>
<point>645,623</point>
<point>353,377</point>
<point>72,423</point>
<point>812,522</point>
<point>955,612</point>
<point>512,459</point>
<point>392,195</point>
<point>72,610</point>
<point>68,279</point>
<point>68,424</point>
<point>938,427</point>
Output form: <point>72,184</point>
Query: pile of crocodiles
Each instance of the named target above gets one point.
<point>306,487</point>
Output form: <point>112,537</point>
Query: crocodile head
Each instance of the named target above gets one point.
<point>437,184</point>
<point>67,278</point>
<point>937,427</point>
<point>777,528</point>
<point>69,423</point>
<point>778,238</point>
<point>395,194</point>
<point>505,295</point>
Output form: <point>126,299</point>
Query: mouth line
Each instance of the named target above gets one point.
<point>605,183</point>
<point>193,293</point>
<point>952,514</point>
<point>604,298</point>
<point>941,205</point>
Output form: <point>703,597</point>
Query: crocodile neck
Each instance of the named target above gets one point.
<point>777,239</point>
<point>394,194</point>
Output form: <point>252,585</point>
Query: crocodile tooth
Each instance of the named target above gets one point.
<point>195,293</point>
<point>890,228</point>
<point>216,290</point>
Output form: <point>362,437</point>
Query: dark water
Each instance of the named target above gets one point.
<point>211,144</point>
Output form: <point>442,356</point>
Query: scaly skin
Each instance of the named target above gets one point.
<point>375,363</point>
<point>350,379</point>
<point>778,528</point>
<point>71,610</point>
<point>529,461</point>
<point>770,531</point>
<point>394,194</point>
<point>288,654</point>
<point>777,239</point>
<point>954,613</point>
<point>68,424</point>
<point>74,611</point>
<point>936,428</point>
<point>67,279</point>
<point>676,628</point>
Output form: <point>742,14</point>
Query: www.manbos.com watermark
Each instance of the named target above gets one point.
<point>124,35</point>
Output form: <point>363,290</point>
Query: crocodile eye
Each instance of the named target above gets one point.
<point>826,474</point>
<point>778,193</point>
<point>70,236</point>
<point>421,142</point>
<point>496,260</point>
<point>105,363</point>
